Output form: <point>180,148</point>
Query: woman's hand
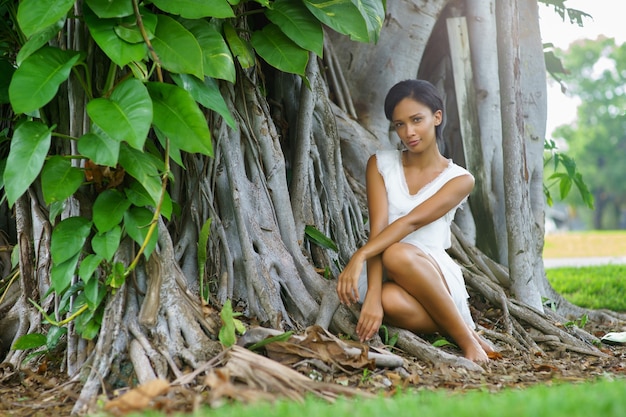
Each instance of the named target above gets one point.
<point>348,281</point>
<point>370,319</point>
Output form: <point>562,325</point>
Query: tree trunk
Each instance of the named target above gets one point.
<point>481,22</point>
<point>517,177</point>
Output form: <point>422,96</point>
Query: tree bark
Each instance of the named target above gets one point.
<point>515,157</point>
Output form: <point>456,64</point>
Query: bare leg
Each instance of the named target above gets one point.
<point>419,300</point>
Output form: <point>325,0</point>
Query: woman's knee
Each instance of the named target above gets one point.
<point>399,257</point>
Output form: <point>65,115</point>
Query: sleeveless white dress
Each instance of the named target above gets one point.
<point>434,238</point>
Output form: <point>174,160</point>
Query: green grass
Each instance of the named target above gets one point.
<point>599,398</point>
<point>591,287</point>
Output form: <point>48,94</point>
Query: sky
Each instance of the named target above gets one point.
<point>608,20</point>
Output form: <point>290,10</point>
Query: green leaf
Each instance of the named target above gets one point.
<point>206,93</point>
<point>35,15</point>
<point>111,8</point>
<point>102,151</point>
<point>93,291</point>
<point>68,238</point>
<point>145,169</point>
<point>38,40</point>
<point>29,341</point>
<point>240,48</point>
<point>109,209</point>
<point>37,80</point>
<point>203,240</point>
<point>373,11</point>
<point>227,334</point>
<point>61,274</point>
<point>295,20</point>
<point>341,15</point>
<point>278,338</point>
<point>59,179</point>
<point>319,238</point>
<point>178,116</point>
<point>217,60</point>
<point>126,115</point>
<point>195,9</point>
<point>279,51</point>
<point>137,222</point>
<point>442,342</point>
<point>177,48</point>
<point>118,50</point>
<point>54,335</point>
<point>106,244</point>
<point>29,147</point>
<point>88,266</point>
<point>118,276</point>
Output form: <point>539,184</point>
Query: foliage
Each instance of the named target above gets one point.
<point>153,76</point>
<point>564,179</point>
<point>597,75</point>
<point>591,287</point>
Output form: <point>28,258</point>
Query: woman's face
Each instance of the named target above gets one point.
<point>415,123</point>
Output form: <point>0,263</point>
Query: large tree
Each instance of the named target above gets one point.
<point>596,141</point>
<point>164,160</point>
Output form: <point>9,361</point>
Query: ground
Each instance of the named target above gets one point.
<point>45,391</point>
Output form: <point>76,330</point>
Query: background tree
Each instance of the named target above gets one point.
<point>164,160</point>
<point>596,140</point>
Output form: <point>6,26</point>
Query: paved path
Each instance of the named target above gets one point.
<point>591,261</point>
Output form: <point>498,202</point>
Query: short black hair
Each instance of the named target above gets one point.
<point>421,91</point>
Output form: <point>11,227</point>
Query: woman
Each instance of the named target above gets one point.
<point>412,197</point>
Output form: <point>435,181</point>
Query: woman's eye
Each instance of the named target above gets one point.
<point>417,120</point>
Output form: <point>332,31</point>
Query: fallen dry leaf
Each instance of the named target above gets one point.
<point>137,399</point>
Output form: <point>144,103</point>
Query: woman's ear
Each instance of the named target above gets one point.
<point>438,117</point>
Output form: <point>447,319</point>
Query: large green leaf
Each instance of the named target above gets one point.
<point>61,274</point>
<point>59,179</point>
<point>373,11</point>
<point>29,147</point>
<point>279,51</point>
<point>68,238</point>
<point>111,8</point>
<point>38,40</point>
<point>126,115</point>
<point>145,169</point>
<point>240,48</point>
<point>109,209</point>
<point>295,20</point>
<point>118,50</point>
<point>137,222</point>
<point>178,116</point>
<point>177,48</point>
<point>35,15</point>
<point>341,15</point>
<point>195,9</point>
<point>106,244</point>
<point>206,93</point>
<point>101,150</point>
<point>217,60</point>
<point>37,80</point>
<point>29,341</point>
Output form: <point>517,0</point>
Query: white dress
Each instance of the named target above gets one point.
<point>434,238</point>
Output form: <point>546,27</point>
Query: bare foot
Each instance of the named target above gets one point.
<point>487,347</point>
<point>476,353</point>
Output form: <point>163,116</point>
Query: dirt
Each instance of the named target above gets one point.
<point>45,391</point>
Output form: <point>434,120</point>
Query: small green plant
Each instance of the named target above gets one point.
<point>580,322</point>
<point>230,325</point>
<point>389,340</point>
<point>43,344</point>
